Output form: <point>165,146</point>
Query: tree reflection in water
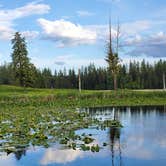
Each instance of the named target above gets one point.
<point>115,144</point>
<point>115,139</point>
<point>20,153</point>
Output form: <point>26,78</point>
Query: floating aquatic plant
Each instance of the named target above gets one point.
<point>30,126</point>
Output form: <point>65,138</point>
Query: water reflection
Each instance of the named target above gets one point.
<point>115,141</point>
<point>140,142</point>
<point>53,155</point>
<point>143,135</point>
<point>128,113</point>
<point>18,154</point>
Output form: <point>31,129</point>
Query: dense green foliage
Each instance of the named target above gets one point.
<point>134,76</point>
<point>22,69</point>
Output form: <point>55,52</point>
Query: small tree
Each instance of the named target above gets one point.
<point>23,69</point>
<point>112,57</point>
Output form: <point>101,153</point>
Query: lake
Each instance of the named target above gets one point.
<point>141,141</point>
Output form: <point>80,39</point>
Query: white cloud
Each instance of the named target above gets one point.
<point>30,34</point>
<point>66,33</point>
<point>27,10</point>
<point>127,30</point>
<point>6,32</point>
<point>84,13</point>
<point>152,45</point>
<point>102,31</point>
<point>7,17</point>
<point>138,35</point>
<point>135,27</point>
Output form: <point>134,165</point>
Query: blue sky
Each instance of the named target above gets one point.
<point>73,33</point>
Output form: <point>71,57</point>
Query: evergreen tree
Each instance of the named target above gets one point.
<point>20,61</point>
<point>6,74</point>
<point>47,78</point>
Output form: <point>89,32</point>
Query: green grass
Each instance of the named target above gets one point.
<point>68,98</point>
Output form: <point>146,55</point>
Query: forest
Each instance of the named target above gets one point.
<point>135,75</point>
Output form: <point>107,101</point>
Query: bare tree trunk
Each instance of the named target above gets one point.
<point>164,81</point>
<point>79,80</point>
<point>117,38</point>
<point>115,82</point>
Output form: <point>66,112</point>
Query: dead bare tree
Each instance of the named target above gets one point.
<point>112,57</point>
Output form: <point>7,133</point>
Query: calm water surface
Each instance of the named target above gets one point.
<point>142,141</point>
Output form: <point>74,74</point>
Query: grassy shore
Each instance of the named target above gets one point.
<point>11,96</point>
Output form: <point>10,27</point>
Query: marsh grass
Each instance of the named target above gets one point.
<point>16,96</point>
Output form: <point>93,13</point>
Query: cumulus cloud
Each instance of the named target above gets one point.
<point>8,16</point>
<point>128,30</point>
<point>137,35</point>
<point>66,33</point>
<point>84,13</point>
<point>153,45</point>
<point>142,41</point>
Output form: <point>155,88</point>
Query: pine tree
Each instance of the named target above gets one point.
<point>20,60</point>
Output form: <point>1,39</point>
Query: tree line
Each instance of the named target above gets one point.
<point>135,75</point>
